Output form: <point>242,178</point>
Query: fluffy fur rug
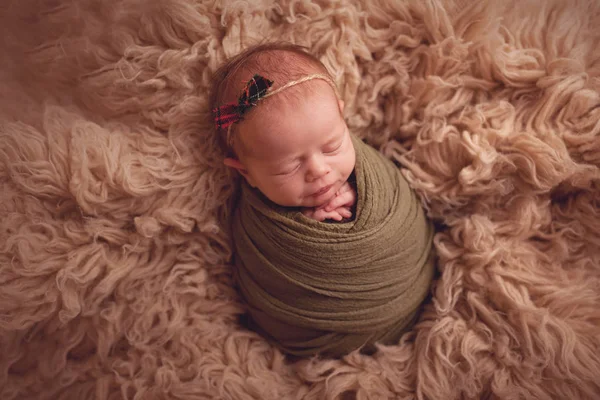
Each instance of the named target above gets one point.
<point>115,279</point>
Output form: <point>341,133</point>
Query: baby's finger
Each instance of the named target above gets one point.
<point>308,212</point>
<point>320,215</point>
<point>317,215</point>
<point>344,212</point>
<point>334,215</point>
<point>351,195</point>
<point>345,187</point>
<point>323,215</point>
<point>343,199</point>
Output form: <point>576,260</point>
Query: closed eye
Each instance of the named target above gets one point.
<point>332,149</point>
<point>288,171</point>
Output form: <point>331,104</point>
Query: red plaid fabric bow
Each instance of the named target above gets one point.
<point>231,113</point>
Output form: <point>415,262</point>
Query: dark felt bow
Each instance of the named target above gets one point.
<point>231,113</point>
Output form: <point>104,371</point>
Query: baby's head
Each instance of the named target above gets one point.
<point>293,145</point>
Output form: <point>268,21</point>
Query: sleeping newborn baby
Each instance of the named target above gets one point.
<point>332,248</point>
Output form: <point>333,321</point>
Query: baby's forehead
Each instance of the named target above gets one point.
<point>281,113</point>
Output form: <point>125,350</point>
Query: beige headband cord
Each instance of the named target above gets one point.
<point>284,87</point>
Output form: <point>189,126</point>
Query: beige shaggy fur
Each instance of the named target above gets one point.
<point>115,279</point>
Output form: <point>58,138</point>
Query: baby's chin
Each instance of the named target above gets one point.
<point>318,201</point>
<point>306,202</point>
<point>310,201</point>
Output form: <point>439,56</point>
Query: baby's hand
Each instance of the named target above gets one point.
<point>344,198</point>
<point>337,208</point>
<point>321,215</point>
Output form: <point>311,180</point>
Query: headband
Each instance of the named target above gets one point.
<point>256,89</point>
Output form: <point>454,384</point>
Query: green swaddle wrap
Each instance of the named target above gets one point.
<point>320,287</point>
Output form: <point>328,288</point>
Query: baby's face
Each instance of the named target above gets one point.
<point>300,154</point>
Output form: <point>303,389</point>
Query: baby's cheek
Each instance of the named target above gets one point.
<point>349,165</point>
<point>291,191</point>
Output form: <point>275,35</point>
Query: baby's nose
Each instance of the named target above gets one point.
<point>317,168</point>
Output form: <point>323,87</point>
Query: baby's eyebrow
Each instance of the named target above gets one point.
<point>283,162</point>
<point>291,159</point>
<point>333,140</point>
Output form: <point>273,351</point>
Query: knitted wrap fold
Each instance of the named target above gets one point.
<point>329,288</point>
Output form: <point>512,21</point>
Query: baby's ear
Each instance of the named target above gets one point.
<point>236,164</point>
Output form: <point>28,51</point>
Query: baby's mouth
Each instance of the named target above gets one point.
<point>322,191</point>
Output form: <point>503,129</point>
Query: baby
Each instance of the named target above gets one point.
<point>295,148</point>
<point>313,287</point>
